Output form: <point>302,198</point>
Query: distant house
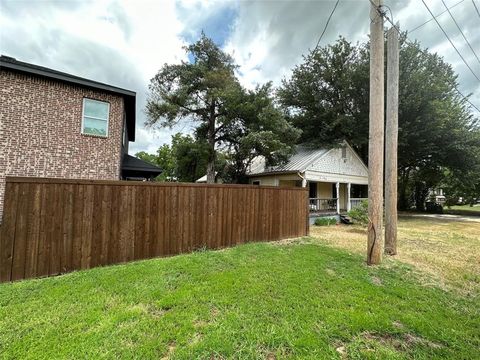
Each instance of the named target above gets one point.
<point>58,125</point>
<point>438,195</point>
<point>337,178</point>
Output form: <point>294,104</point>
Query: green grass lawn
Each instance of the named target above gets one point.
<point>298,299</point>
<point>463,209</point>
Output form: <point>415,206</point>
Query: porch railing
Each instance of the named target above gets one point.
<point>354,202</point>
<point>323,205</point>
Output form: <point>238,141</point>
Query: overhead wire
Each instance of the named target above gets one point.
<point>406,36</point>
<point>476,8</point>
<point>326,25</point>
<point>461,32</point>
<point>443,12</point>
<point>451,42</point>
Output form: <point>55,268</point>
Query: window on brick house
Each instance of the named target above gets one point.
<point>95,117</point>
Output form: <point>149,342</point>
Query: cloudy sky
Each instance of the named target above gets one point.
<point>125,42</point>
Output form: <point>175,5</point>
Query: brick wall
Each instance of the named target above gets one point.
<point>40,131</point>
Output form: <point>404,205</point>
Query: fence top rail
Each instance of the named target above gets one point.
<point>37,180</point>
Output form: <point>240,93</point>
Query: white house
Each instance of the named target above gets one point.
<point>337,178</point>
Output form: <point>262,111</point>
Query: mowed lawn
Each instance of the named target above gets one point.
<point>463,209</point>
<point>311,298</point>
<point>444,250</point>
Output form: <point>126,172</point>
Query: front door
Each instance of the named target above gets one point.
<point>312,190</point>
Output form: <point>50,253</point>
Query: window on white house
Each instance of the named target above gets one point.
<point>95,117</point>
<point>256,182</point>
<point>344,152</point>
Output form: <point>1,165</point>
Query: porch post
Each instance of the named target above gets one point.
<point>338,197</point>
<point>304,182</point>
<point>349,205</point>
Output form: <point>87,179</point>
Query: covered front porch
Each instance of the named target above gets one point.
<point>331,198</point>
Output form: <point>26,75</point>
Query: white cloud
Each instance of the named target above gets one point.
<point>124,43</point>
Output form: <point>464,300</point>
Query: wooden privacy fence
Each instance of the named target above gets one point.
<point>52,226</point>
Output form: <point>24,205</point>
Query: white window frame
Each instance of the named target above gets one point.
<point>93,117</point>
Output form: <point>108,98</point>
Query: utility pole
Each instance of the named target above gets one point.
<point>375,137</point>
<point>391,142</point>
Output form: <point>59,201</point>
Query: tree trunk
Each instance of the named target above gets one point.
<point>211,145</point>
<point>403,200</point>
<point>420,196</point>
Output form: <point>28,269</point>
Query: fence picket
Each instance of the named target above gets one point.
<point>51,226</point>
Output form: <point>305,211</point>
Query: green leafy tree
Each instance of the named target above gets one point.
<point>185,160</point>
<point>261,130</point>
<point>191,157</point>
<point>327,96</point>
<point>200,91</point>
<point>163,159</point>
<point>233,125</point>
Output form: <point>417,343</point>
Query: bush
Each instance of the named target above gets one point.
<point>359,214</point>
<point>325,221</point>
<point>433,208</point>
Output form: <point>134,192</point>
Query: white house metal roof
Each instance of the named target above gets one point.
<point>300,161</point>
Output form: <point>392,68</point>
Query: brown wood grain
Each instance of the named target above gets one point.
<point>53,226</point>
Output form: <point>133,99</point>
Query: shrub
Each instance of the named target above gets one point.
<point>433,208</point>
<point>325,221</point>
<point>359,214</point>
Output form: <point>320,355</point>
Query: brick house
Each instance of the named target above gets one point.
<point>57,125</point>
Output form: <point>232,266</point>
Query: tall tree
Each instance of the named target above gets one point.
<point>163,159</point>
<point>327,96</point>
<point>199,90</point>
<point>237,123</point>
<point>185,160</point>
<point>261,130</point>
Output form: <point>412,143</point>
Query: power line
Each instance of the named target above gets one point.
<point>461,32</point>
<point>475,5</point>
<point>407,39</point>
<point>443,12</point>
<point>451,42</point>
<point>326,25</point>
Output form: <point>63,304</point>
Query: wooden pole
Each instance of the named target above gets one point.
<point>391,142</point>
<point>375,138</point>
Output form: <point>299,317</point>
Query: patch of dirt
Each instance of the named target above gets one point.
<point>215,312</point>
<point>400,342</point>
<point>291,241</point>
<point>271,356</point>
<point>376,281</point>
<point>330,272</point>
<point>342,351</point>
<point>170,349</point>
<point>149,309</point>
<point>398,324</point>
<point>200,323</point>
<point>216,357</point>
<point>412,339</point>
<point>196,339</point>
<point>155,311</point>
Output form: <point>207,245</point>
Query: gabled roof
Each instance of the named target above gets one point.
<point>301,161</point>
<point>12,64</point>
